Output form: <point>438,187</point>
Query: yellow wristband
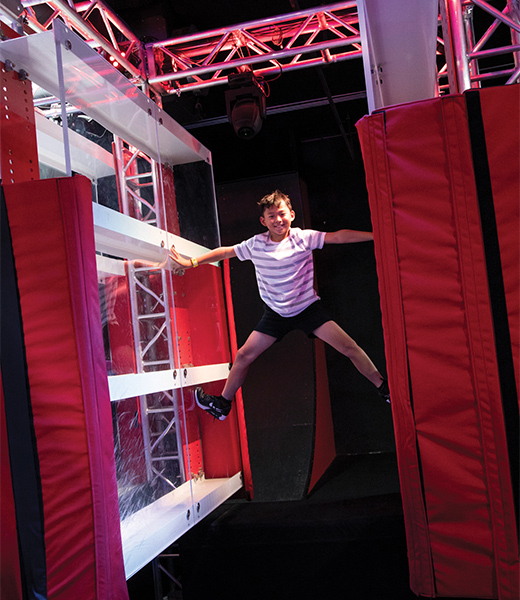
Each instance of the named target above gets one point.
<point>194,262</point>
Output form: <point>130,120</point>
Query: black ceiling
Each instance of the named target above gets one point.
<point>169,18</point>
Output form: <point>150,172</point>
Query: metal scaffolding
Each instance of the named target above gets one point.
<point>286,42</point>
<point>96,23</point>
<point>268,46</point>
<point>155,382</point>
<point>139,189</point>
<point>471,54</point>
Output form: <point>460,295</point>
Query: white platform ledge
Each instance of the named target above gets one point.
<point>151,530</point>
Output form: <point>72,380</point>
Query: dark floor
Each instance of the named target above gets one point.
<point>346,540</point>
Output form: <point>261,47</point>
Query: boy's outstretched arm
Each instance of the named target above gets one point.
<point>348,236</point>
<point>140,262</point>
<point>210,257</point>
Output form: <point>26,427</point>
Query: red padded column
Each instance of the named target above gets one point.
<point>372,136</point>
<point>53,241</point>
<point>441,348</point>
<point>503,153</point>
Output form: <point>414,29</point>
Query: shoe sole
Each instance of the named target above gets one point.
<point>208,409</point>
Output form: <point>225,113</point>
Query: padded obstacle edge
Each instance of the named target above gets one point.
<point>452,418</point>
<point>53,242</point>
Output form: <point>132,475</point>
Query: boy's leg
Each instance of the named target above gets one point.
<point>332,333</point>
<point>255,345</point>
<point>220,406</point>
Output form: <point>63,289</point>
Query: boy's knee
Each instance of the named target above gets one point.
<point>244,356</point>
<point>350,348</point>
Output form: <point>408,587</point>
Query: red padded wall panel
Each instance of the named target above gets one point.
<point>503,151</point>
<point>239,401</point>
<point>57,280</point>
<point>372,135</point>
<point>440,344</point>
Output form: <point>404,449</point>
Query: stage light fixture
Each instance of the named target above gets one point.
<point>245,103</point>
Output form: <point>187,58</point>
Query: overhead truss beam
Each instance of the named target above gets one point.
<point>268,46</point>
<point>293,41</point>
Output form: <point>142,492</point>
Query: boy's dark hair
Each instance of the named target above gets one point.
<point>274,199</point>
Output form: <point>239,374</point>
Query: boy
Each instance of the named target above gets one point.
<point>282,257</point>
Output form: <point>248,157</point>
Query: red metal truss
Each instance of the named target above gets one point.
<point>97,24</point>
<point>293,41</point>
<point>469,52</point>
<point>268,46</point>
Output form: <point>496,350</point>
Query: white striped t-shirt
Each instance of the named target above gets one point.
<point>284,270</point>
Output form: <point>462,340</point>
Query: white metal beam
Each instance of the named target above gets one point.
<point>120,235</point>
<point>399,40</point>
<point>87,158</point>
<point>148,532</point>
<point>138,384</point>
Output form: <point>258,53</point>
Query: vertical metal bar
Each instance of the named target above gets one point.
<point>143,407</point>
<point>470,40</point>
<point>142,340</point>
<point>168,294</point>
<point>168,305</point>
<point>150,61</point>
<point>59,43</point>
<point>455,41</point>
<point>120,174</point>
<point>147,444</point>
<point>157,584</point>
<point>160,216</point>
<point>514,14</point>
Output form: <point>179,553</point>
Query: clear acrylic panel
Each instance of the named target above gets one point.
<point>163,335</point>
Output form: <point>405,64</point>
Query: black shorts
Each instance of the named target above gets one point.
<point>308,321</point>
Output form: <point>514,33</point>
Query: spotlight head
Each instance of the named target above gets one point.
<point>245,103</point>
<point>246,117</point>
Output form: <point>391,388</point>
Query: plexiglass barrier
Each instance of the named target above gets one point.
<point>164,334</point>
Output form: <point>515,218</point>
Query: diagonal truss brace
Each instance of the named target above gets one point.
<point>96,23</point>
<point>293,41</point>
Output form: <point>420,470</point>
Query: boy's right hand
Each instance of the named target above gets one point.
<point>179,263</point>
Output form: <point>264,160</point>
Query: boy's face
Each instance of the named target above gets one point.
<point>278,221</point>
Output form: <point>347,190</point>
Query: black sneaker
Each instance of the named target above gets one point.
<point>216,406</point>
<point>384,391</point>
